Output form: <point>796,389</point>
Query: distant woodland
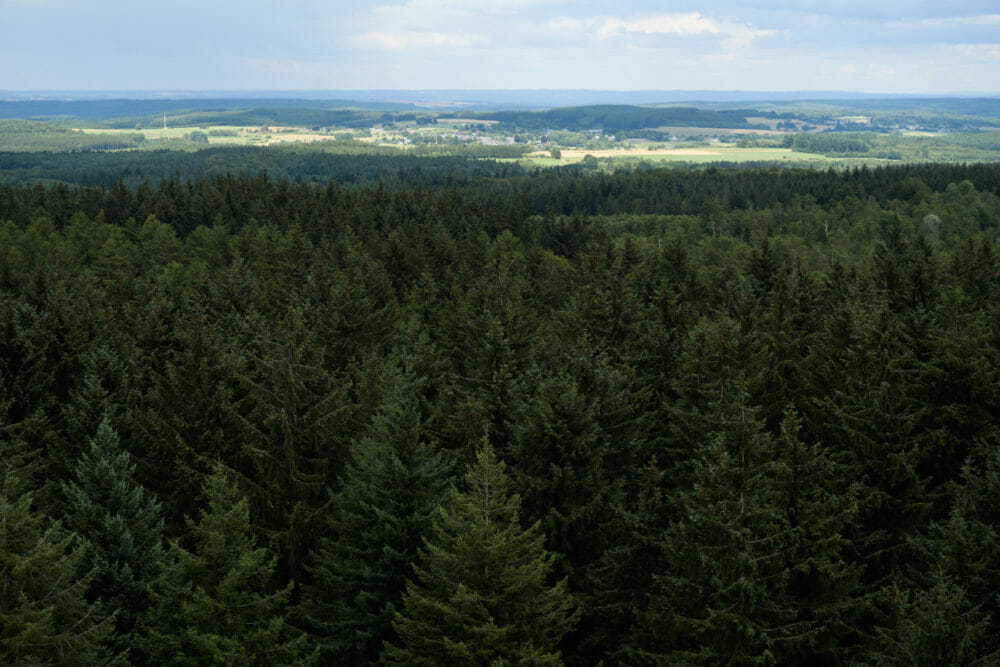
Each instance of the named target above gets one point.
<point>847,133</point>
<point>338,409</point>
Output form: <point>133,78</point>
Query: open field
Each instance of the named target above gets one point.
<point>720,153</point>
<point>656,153</point>
<point>822,149</point>
<point>466,121</point>
<point>239,136</point>
<point>573,154</point>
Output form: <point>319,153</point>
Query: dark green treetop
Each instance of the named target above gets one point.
<point>482,595</point>
<point>120,528</point>
<point>212,604</point>
<point>44,616</point>
<point>391,491</point>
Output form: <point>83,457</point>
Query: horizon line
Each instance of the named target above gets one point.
<point>826,91</point>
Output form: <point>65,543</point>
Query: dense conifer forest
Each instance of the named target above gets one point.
<point>361,409</point>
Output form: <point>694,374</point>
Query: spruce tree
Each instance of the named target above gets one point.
<point>618,585</point>
<point>392,488</point>
<point>868,410</point>
<point>482,595</point>
<point>292,416</point>
<point>754,566</point>
<point>559,462</point>
<point>101,394</point>
<point>211,604</point>
<point>119,526</point>
<point>968,544</point>
<point>938,626</point>
<point>176,441</point>
<point>44,616</point>
<point>943,607</point>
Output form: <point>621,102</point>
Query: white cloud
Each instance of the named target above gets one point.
<point>404,40</point>
<point>742,37</point>
<point>453,7</point>
<point>976,20</point>
<point>423,24</point>
<point>898,45</point>
<point>733,37</point>
<point>568,25</point>
<point>490,5</point>
<point>979,51</point>
<point>662,24</point>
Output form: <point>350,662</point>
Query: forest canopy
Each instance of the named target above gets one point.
<point>253,403</point>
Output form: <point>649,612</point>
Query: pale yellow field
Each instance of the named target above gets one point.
<point>579,153</point>
<point>286,137</point>
<point>244,135</point>
<point>257,136</point>
<point>720,153</point>
<point>465,121</point>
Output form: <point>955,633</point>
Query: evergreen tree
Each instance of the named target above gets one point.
<point>558,456</point>
<point>568,469</point>
<point>44,616</point>
<point>292,414</point>
<point>754,566</point>
<point>865,405</point>
<point>212,604</point>
<point>119,526</point>
<point>967,546</point>
<point>939,626</point>
<point>943,607</point>
<point>619,583</point>
<point>174,441</point>
<point>392,487</point>
<point>482,595</point>
<point>101,395</point>
<point>487,334</point>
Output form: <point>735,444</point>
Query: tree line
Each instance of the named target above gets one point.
<point>618,117</point>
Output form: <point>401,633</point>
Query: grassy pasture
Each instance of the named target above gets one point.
<point>244,136</point>
<point>658,153</point>
<point>466,121</point>
<point>712,153</point>
<point>631,153</point>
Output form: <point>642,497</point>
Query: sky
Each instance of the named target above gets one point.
<point>874,46</point>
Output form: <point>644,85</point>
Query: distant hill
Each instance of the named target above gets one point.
<point>621,117</point>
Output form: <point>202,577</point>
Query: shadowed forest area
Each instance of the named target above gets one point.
<point>352,409</point>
